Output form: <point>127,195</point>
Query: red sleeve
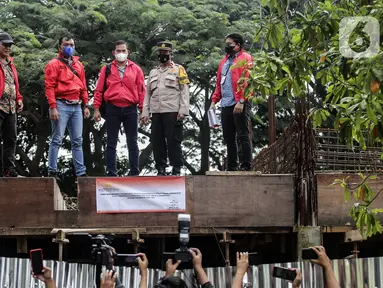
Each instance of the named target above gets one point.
<point>84,92</point>
<point>140,82</point>
<point>97,101</point>
<point>51,83</point>
<point>18,95</point>
<point>217,95</point>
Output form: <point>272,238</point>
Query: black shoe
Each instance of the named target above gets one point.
<point>83,175</point>
<point>109,174</point>
<point>245,168</point>
<point>11,172</point>
<point>161,172</point>
<point>54,175</point>
<point>176,171</point>
<point>232,169</point>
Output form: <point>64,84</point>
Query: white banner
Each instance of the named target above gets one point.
<point>141,194</point>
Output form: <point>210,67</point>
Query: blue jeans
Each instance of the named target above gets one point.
<point>128,116</point>
<point>69,116</point>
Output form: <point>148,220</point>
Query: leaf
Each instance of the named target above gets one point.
<point>371,114</point>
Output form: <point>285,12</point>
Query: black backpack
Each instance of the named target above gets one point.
<point>103,104</point>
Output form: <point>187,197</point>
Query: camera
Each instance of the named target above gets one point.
<point>182,254</point>
<point>102,252</point>
<point>105,255</point>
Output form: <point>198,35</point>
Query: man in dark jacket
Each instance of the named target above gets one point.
<point>11,102</point>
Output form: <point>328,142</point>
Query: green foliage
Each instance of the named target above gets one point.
<point>364,216</point>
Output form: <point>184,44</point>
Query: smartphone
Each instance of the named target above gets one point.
<point>37,261</point>
<point>308,254</point>
<point>284,273</point>
<point>126,260</point>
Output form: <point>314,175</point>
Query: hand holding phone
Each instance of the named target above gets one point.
<point>284,273</point>
<point>308,254</point>
<point>37,261</point>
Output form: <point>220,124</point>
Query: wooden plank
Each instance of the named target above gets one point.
<point>332,209</point>
<point>26,202</point>
<point>244,201</point>
<point>22,244</point>
<point>241,202</point>
<point>144,231</point>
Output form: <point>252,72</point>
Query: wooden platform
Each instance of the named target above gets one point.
<point>240,204</point>
<point>332,208</point>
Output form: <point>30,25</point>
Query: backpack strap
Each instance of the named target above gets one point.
<point>67,65</point>
<point>107,73</point>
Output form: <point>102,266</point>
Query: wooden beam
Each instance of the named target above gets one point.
<point>22,245</point>
<point>146,232</point>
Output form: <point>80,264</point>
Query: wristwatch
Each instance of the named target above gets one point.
<point>242,101</point>
<point>87,106</point>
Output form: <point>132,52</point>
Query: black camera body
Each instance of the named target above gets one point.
<point>102,252</point>
<point>182,254</point>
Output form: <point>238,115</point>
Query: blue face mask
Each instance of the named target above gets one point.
<point>68,51</point>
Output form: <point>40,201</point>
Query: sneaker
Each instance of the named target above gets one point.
<point>11,172</point>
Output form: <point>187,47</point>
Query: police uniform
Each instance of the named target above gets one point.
<point>167,95</point>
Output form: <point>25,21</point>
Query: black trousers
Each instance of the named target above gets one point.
<point>8,137</point>
<point>166,138</point>
<point>237,127</point>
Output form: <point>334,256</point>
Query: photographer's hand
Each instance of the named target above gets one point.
<point>298,279</point>
<point>197,262</point>
<point>108,281</point>
<point>46,277</point>
<point>171,268</point>
<point>143,264</point>
<point>325,262</point>
<point>242,266</point>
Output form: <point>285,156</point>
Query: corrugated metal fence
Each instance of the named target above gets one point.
<point>351,273</point>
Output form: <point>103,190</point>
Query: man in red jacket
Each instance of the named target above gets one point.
<point>66,90</point>
<point>11,102</point>
<point>235,108</point>
<point>125,90</point>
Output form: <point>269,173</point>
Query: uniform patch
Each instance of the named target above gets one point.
<point>183,77</point>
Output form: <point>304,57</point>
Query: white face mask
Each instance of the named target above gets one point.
<point>121,57</point>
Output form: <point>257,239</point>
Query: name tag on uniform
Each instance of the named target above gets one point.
<point>223,79</point>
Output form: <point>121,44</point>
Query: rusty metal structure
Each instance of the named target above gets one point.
<point>294,153</point>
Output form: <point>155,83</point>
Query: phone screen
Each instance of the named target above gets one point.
<point>37,261</point>
<point>308,254</point>
<point>284,273</point>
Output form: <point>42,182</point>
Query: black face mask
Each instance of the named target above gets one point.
<point>229,49</point>
<point>163,58</point>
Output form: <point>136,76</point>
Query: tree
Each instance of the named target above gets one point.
<point>302,60</point>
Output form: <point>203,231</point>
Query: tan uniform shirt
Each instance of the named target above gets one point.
<point>167,90</point>
<point>8,100</point>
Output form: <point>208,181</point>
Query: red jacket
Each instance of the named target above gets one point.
<point>130,90</point>
<point>60,82</point>
<point>2,81</point>
<point>235,75</point>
